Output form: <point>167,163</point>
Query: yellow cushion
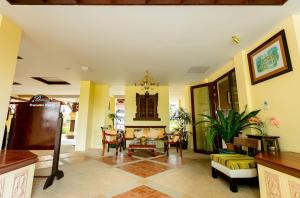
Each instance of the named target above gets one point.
<point>234,161</point>
<point>160,132</point>
<point>111,138</point>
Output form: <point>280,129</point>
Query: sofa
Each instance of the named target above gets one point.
<point>153,132</point>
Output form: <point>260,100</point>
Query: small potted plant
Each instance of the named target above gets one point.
<point>183,119</point>
<point>228,126</point>
<point>113,117</point>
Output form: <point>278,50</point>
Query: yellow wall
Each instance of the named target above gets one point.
<point>163,106</point>
<point>281,92</point>
<point>93,108</point>
<point>10,38</point>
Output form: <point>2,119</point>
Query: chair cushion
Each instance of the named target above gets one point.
<point>159,132</point>
<point>154,133</point>
<point>138,133</point>
<point>111,138</point>
<point>234,161</point>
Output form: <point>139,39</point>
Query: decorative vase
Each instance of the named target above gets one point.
<point>230,147</point>
<point>143,140</point>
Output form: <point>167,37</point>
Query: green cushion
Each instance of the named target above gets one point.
<point>234,161</point>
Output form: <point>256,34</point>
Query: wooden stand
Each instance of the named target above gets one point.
<point>37,125</point>
<point>55,171</point>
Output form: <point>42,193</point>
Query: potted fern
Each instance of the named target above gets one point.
<point>228,126</point>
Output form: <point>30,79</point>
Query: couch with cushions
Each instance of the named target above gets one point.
<point>153,132</point>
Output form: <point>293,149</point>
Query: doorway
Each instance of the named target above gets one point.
<point>206,99</point>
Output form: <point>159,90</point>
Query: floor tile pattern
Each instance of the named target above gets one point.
<point>115,160</point>
<point>172,160</point>
<point>142,192</point>
<point>145,168</point>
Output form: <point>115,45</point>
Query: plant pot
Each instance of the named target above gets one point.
<point>184,144</point>
<point>230,147</point>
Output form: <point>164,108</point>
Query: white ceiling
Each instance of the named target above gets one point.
<point>119,43</point>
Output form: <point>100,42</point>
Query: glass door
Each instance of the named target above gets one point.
<point>202,97</point>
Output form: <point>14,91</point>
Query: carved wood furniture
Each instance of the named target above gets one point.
<point>156,132</point>
<point>174,139</point>
<point>16,173</point>
<point>147,2</point>
<point>279,174</point>
<point>236,166</point>
<point>146,107</point>
<point>111,138</point>
<point>150,145</point>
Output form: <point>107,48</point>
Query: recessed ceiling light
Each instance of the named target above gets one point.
<point>84,68</point>
<point>197,70</point>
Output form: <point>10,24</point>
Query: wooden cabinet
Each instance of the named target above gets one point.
<point>279,174</point>
<point>146,107</point>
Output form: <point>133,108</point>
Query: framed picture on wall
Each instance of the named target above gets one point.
<point>270,59</point>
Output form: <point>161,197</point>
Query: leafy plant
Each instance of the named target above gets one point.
<point>183,118</point>
<point>113,117</point>
<point>228,126</point>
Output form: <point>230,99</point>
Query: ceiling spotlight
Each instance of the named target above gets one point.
<point>236,39</point>
<point>84,68</point>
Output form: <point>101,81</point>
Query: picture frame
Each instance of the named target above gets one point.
<point>270,59</point>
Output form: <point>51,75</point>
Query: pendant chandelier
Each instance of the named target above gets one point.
<point>147,82</point>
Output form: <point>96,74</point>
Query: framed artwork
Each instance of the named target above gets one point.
<point>270,59</point>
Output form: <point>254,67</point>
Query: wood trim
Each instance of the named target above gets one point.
<point>286,162</point>
<point>11,160</point>
<point>146,2</point>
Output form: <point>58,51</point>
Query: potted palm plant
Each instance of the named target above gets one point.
<point>183,119</point>
<point>228,126</point>
<point>113,117</point>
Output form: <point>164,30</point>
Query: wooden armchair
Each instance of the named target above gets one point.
<point>174,139</point>
<point>111,137</point>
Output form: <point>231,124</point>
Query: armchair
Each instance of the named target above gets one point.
<point>174,139</point>
<point>111,137</point>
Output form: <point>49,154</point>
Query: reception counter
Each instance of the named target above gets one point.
<point>16,173</point>
<point>279,174</point>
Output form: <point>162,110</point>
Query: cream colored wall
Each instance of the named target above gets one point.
<point>281,92</point>
<point>100,111</point>
<point>162,108</point>
<point>10,38</point>
<point>93,109</point>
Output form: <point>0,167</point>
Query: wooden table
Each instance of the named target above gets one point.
<point>137,146</point>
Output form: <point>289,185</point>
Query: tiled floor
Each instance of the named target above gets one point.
<point>89,175</point>
<point>142,191</point>
<point>114,160</point>
<point>144,168</point>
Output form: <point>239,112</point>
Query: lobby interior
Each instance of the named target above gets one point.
<point>92,58</point>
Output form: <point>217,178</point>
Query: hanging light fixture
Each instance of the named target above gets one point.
<point>147,82</point>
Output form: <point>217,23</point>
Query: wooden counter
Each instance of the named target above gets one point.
<point>13,159</point>
<point>286,162</point>
<point>279,174</point>
<point>16,173</point>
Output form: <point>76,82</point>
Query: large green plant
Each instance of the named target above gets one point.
<point>228,126</point>
<point>183,118</point>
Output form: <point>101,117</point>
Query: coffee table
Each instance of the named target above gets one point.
<point>150,145</point>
